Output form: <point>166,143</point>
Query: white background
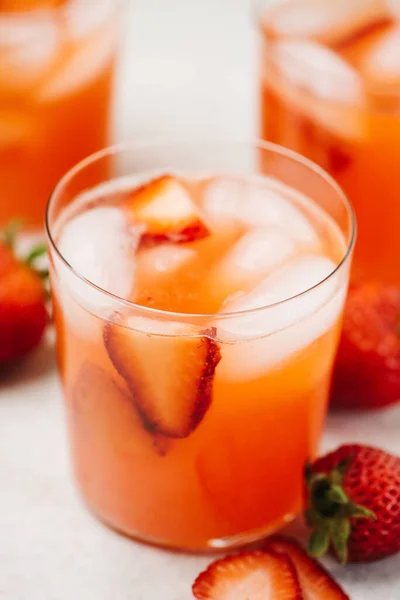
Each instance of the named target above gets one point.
<point>188,68</point>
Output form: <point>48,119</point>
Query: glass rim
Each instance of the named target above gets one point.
<point>137,146</point>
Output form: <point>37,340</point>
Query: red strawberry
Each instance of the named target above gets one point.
<point>23,315</point>
<point>249,576</point>
<point>353,504</point>
<point>165,207</point>
<point>367,372</point>
<point>314,580</point>
<point>170,375</point>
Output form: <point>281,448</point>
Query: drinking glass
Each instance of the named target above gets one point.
<point>57,64</point>
<point>232,473</point>
<point>330,90</point>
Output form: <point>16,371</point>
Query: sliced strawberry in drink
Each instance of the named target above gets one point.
<point>249,576</point>
<point>315,581</point>
<point>167,210</point>
<point>169,369</point>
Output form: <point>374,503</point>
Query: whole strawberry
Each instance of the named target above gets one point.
<point>23,315</point>
<point>367,371</point>
<point>353,504</point>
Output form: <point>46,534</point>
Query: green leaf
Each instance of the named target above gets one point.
<point>357,511</point>
<point>11,231</point>
<point>337,474</point>
<point>312,517</point>
<point>340,533</point>
<point>318,543</point>
<point>35,253</point>
<point>337,495</point>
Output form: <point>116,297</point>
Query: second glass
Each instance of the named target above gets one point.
<point>198,306</point>
<point>330,89</point>
<point>57,63</point>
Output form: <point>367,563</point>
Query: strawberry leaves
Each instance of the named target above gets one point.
<point>330,511</point>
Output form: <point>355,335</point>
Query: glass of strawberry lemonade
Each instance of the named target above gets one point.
<point>57,63</point>
<point>330,89</point>
<point>198,308</point>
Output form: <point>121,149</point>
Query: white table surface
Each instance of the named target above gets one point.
<point>188,68</point>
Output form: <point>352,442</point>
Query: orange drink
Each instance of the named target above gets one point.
<point>198,308</point>
<point>56,74</point>
<point>330,88</point>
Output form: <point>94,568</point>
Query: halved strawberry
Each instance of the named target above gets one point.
<point>249,576</point>
<point>169,368</point>
<point>165,208</point>
<point>315,581</point>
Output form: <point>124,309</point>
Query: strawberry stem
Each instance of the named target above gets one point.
<point>329,512</point>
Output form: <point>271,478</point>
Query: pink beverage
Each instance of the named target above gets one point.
<point>198,310</point>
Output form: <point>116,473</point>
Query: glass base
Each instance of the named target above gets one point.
<point>215,545</point>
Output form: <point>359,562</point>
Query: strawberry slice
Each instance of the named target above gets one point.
<point>315,581</point>
<point>165,207</point>
<point>169,368</point>
<point>249,576</point>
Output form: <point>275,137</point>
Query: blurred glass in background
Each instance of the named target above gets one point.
<point>330,85</point>
<point>57,62</point>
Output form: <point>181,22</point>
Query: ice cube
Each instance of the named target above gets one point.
<point>83,66</point>
<point>324,20</point>
<point>100,246</point>
<point>381,61</point>
<point>286,327</point>
<point>247,360</point>
<point>164,259</point>
<point>323,86</point>
<point>83,17</point>
<point>250,259</point>
<point>28,48</point>
<point>289,281</point>
<point>258,204</point>
<point>318,70</point>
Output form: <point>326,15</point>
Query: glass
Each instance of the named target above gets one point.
<point>330,90</point>
<point>237,475</point>
<point>57,63</point>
